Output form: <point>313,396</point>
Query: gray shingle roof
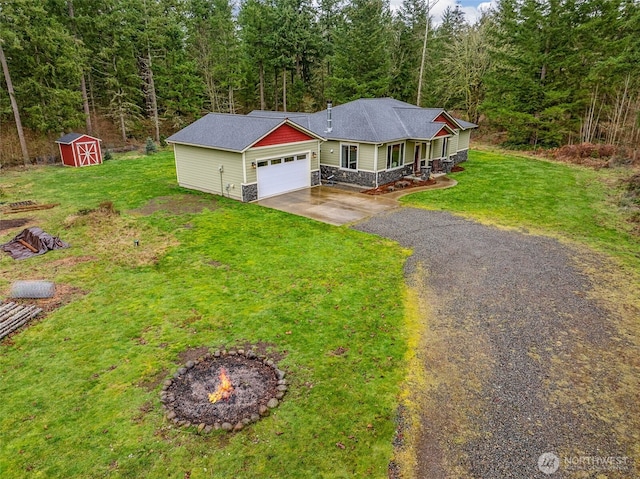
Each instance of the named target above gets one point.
<point>301,119</point>
<point>226,131</point>
<point>371,120</point>
<point>466,124</point>
<point>419,122</point>
<point>69,138</point>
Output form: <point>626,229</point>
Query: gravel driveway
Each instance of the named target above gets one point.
<point>519,357</point>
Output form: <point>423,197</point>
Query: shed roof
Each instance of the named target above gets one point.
<point>229,132</point>
<point>71,137</point>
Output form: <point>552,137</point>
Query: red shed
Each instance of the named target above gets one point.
<point>77,149</point>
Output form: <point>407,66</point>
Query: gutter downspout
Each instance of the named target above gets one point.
<point>221,170</point>
<point>375,161</point>
<point>244,167</point>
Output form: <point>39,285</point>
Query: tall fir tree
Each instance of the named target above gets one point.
<point>214,45</point>
<point>361,63</point>
<point>42,57</point>
<point>256,21</point>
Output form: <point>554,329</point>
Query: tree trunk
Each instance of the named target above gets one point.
<point>424,51</point>
<point>275,90</point>
<point>284,89</point>
<point>83,85</point>
<point>263,105</point>
<point>153,99</point>
<point>14,106</point>
<point>92,104</point>
<point>232,108</point>
<point>123,128</point>
<point>85,105</point>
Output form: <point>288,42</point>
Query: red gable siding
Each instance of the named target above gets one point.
<point>443,119</point>
<point>283,134</point>
<point>442,132</point>
<point>84,138</point>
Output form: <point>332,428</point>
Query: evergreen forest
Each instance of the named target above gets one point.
<point>536,73</point>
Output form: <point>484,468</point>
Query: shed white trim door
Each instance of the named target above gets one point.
<point>86,153</point>
<point>280,175</point>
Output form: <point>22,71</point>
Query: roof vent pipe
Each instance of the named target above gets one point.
<point>329,127</point>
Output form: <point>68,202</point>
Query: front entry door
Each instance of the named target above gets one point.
<point>416,160</point>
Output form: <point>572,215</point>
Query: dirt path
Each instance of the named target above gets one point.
<point>522,355</point>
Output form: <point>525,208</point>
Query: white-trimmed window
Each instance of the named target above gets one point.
<point>349,157</point>
<point>395,155</point>
<point>445,146</point>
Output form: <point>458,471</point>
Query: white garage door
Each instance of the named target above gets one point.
<point>279,175</point>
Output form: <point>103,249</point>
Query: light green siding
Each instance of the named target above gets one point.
<point>452,145</point>
<point>198,169</point>
<point>366,157</point>
<point>277,151</point>
<point>409,151</point>
<point>426,154</point>
<point>330,154</point>
<point>463,141</point>
<point>382,158</point>
<point>436,148</point>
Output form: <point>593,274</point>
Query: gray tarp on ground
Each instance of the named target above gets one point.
<point>37,238</point>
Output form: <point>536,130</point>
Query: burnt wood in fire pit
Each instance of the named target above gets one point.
<point>257,384</point>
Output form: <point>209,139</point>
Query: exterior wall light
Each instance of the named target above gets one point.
<point>253,165</point>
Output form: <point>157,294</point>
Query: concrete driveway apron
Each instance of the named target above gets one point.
<point>330,204</point>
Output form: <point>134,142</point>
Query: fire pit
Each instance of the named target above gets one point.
<point>224,390</point>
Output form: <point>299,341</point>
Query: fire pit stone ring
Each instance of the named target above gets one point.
<point>225,390</point>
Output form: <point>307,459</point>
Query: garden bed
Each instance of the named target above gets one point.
<point>399,185</point>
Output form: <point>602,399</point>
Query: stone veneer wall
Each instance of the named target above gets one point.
<point>447,164</point>
<point>355,177</point>
<point>250,192</point>
<point>393,175</point>
<point>425,172</point>
<point>461,156</point>
<point>315,178</point>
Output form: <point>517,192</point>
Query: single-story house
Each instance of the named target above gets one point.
<point>366,142</point>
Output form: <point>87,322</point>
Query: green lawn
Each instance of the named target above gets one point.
<point>540,196</point>
<point>79,390</point>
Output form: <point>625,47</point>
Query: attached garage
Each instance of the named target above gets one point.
<point>246,158</point>
<point>281,175</point>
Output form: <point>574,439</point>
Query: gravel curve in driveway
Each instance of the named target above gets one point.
<point>521,360</point>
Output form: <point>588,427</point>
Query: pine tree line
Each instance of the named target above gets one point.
<point>544,72</point>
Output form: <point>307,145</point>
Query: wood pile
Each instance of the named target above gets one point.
<point>28,205</point>
<point>14,316</point>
